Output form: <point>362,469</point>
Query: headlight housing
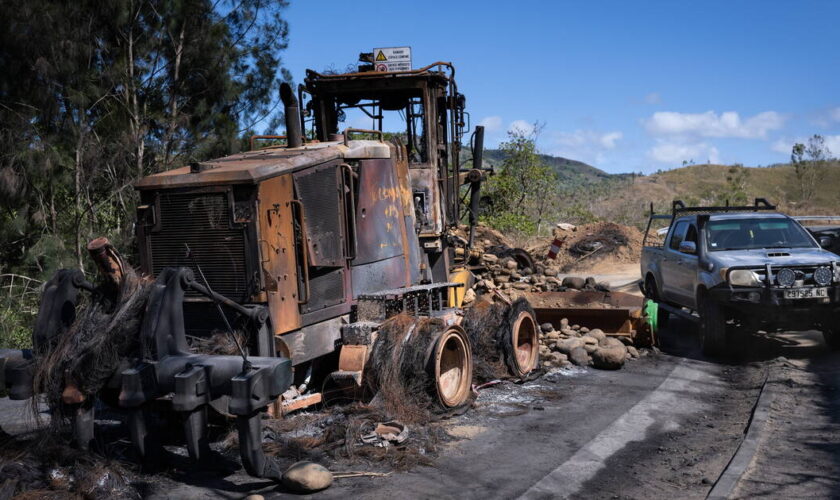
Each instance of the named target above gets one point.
<point>786,277</point>
<point>743,277</point>
<point>823,276</point>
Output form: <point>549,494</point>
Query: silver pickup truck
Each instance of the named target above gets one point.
<point>748,267</point>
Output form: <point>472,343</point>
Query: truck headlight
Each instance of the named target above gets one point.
<point>743,277</point>
<point>823,276</point>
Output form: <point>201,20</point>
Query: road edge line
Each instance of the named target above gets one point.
<point>743,457</point>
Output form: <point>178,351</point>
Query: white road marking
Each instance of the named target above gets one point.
<point>674,398</point>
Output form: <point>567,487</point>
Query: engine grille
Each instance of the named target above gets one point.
<point>202,221</point>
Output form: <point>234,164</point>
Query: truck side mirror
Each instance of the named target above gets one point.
<point>688,247</point>
<point>825,241</point>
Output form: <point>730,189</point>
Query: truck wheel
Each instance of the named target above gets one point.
<point>652,292</point>
<point>712,327</point>
<point>832,339</point>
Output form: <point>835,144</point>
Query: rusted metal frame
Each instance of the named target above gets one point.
<point>263,137</point>
<point>350,213</point>
<point>379,74</point>
<point>305,250</point>
<point>350,130</point>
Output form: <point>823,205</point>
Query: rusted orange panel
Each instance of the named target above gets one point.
<point>277,252</point>
<point>352,358</point>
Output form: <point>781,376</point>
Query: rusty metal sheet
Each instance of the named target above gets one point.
<point>377,276</point>
<point>277,252</point>
<point>379,213</point>
<point>313,341</point>
<point>319,190</point>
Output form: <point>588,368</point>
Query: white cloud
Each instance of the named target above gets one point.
<point>834,114</point>
<point>782,146</point>
<point>609,139</point>
<point>711,124</point>
<point>653,98</point>
<point>676,152</point>
<point>584,145</point>
<point>491,124</point>
<point>521,126</point>
<point>827,117</point>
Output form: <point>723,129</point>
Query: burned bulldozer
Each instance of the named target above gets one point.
<point>317,259</point>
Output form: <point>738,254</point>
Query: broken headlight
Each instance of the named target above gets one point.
<point>743,277</point>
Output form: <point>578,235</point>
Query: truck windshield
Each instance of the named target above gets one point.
<point>747,234</point>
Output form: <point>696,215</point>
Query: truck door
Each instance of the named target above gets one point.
<point>671,263</point>
<point>686,269</point>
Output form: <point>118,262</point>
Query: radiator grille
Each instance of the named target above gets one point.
<point>202,221</point>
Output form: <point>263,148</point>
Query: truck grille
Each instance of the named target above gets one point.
<point>202,221</point>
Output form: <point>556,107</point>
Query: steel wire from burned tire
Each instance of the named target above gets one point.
<point>419,367</point>
<point>504,338</point>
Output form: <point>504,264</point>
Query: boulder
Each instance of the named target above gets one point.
<point>590,283</point>
<point>597,333</point>
<point>469,297</point>
<point>573,282</point>
<point>590,348</point>
<point>568,345</point>
<point>564,323</point>
<point>547,327</point>
<point>611,342</point>
<point>489,258</point>
<point>589,340</point>
<point>511,264</point>
<point>632,351</point>
<point>583,329</point>
<point>553,336</point>
<point>307,477</point>
<point>579,356</point>
<point>522,286</point>
<point>609,358</point>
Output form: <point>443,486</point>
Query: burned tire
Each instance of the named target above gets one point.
<point>652,292</point>
<point>450,367</point>
<point>712,327</point>
<point>521,342</point>
<point>504,339</point>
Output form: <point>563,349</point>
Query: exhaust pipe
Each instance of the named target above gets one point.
<point>291,108</point>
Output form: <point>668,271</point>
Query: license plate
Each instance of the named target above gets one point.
<point>806,293</point>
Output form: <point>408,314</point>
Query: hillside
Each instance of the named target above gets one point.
<point>571,171</point>
<point>708,184</point>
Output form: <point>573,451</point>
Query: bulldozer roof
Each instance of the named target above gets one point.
<point>254,166</point>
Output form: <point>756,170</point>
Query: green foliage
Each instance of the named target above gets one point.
<point>94,95</point>
<point>525,191</point>
<point>808,160</point>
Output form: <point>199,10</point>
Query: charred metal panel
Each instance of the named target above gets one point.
<point>379,275</point>
<point>319,189</point>
<point>378,213</point>
<point>277,252</point>
<point>326,288</point>
<point>412,243</point>
<point>202,220</point>
<point>313,341</point>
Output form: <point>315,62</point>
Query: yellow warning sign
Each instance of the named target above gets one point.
<point>381,56</point>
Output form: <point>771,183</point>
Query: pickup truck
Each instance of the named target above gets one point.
<point>746,267</point>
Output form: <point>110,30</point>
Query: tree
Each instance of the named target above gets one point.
<point>94,95</point>
<point>525,190</point>
<point>808,159</point>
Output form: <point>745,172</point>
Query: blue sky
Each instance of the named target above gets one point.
<point>622,85</point>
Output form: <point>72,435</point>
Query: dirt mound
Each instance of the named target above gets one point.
<point>602,243</point>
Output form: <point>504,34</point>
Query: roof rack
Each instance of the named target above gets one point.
<point>678,207</point>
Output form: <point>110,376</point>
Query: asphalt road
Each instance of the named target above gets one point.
<point>665,426</point>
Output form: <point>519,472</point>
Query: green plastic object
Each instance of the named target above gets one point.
<point>652,313</point>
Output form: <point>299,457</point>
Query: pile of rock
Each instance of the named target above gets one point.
<point>578,345</point>
<point>506,275</point>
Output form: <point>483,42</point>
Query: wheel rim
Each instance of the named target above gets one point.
<point>453,368</point>
<point>525,340</point>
